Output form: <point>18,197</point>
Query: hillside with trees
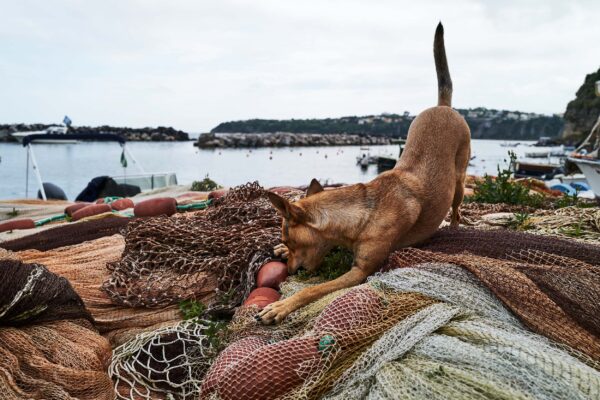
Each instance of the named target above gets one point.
<point>484,124</point>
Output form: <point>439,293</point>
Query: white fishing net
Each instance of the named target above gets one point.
<point>168,363</point>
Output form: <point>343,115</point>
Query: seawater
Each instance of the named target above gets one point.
<point>71,166</point>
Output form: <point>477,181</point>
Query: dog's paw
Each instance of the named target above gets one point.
<point>275,312</point>
<point>281,250</point>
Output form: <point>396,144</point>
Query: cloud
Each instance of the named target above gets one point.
<point>193,64</point>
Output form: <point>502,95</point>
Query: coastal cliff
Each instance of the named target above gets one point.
<point>583,111</point>
<point>159,134</point>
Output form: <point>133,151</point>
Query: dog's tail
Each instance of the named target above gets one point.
<point>441,67</point>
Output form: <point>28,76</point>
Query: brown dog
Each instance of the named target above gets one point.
<point>399,208</point>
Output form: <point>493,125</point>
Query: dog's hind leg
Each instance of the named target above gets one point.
<point>459,191</point>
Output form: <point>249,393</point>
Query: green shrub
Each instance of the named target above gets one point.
<point>503,189</point>
<point>205,185</point>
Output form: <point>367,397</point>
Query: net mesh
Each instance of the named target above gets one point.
<point>84,265</point>
<point>434,330</point>
<point>522,294</point>
<point>67,234</point>
<point>167,260</point>
<point>469,314</point>
<point>168,362</point>
<point>30,293</point>
<point>48,347</point>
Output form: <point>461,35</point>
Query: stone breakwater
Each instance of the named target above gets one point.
<point>158,134</point>
<point>283,139</point>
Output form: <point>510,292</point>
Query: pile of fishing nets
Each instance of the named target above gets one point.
<point>470,313</point>
<point>49,349</point>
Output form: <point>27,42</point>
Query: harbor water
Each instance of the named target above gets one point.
<point>71,166</point>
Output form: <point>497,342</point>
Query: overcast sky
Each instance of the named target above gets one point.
<point>193,64</point>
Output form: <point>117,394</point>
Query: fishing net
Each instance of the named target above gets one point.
<point>56,360</point>
<point>574,222</point>
<point>84,265</point>
<point>48,347</point>
<point>502,244</point>
<point>30,293</point>
<point>169,362</point>
<point>469,346</point>
<point>471,213</point>
<point>67,234</point>
<point>431,331</point>
<point>520,292</point>
<point>167,260</point>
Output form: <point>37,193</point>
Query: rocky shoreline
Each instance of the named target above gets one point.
<point>158,134</point>
<point>285,139</point>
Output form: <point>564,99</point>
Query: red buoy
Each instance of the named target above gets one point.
<point>272,371</point>
<point>17,224</point>
<point>121,204</point>
<point>272,274</point>
<point>359,307</point>
<point>92,209</point>
<point>262,297</point>
<point>74,207</point>
<point>155,207</point>
<point>228,358</point>
<point>217,194</point>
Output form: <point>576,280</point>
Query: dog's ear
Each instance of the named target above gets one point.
<point>314,188</point>
<point>286,209</point>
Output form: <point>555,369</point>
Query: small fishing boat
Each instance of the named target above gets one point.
<point>53,130</point>
<point>536,170</point>
<point>141,182</point>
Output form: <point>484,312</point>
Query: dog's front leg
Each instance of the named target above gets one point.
<point>277,311</point>
<point>281,250</point>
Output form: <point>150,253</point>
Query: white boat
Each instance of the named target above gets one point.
<point>53,130</point>
<point>591,170</point>
<point>556,152</point>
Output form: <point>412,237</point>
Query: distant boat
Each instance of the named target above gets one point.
<point>559,152</point>
<point>53,130</point>
<point>508,144</point>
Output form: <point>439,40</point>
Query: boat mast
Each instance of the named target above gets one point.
<point>36,170</point>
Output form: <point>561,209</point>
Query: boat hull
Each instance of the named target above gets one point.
<point>591,170</point>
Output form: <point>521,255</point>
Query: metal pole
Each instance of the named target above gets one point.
<point>37,172</point>
<point>133,158</point>
<point>27,175</point>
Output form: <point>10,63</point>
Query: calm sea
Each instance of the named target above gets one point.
<point>71,166</point>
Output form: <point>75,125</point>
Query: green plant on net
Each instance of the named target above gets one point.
<point>503,189</point>
<point>205,185</point>
<point>191,308</point>
<point>336,263</point>
<point>215,330</point>
<point>520,222</point>
<point>574,230</point>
